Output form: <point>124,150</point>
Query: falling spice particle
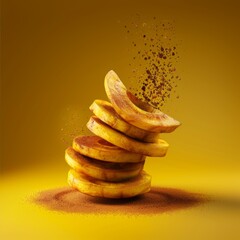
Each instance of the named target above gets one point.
<point>156,74</point>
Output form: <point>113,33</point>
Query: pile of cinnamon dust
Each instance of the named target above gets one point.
<point>158,200</point>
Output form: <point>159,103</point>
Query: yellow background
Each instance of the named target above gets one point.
<point>54,56</point>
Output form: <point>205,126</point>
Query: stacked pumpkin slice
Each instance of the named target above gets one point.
<point>110,163</point>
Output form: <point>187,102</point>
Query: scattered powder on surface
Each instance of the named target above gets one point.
<point>157,201</point>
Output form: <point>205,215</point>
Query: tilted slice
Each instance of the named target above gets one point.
<point>101,170</point>
<point>133,110</point>
<point>98,148</point>
<point>133,187</point>
<point>105,111</point>
<point>102,130</point>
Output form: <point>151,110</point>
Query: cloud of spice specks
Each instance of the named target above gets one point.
<point>155,57</point>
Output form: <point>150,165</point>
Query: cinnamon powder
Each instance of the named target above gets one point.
<point>157,201</point>
<point>155,56</point>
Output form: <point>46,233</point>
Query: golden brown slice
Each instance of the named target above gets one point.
<point>133,110</point>
<point>106,171</point>
<point>105,111</point>
<point>98,148</point>
<point>102,130</point>
<point>135,186</point>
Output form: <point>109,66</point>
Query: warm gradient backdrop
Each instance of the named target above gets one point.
<point>54,56</point>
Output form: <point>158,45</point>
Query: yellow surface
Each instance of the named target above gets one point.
<point>21,219</point>
<point>54,57</point>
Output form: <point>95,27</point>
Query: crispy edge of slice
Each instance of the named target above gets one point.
<point>106,171</point>
<point>94,147</point>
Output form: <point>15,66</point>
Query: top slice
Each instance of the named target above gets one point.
<point>133,110</point>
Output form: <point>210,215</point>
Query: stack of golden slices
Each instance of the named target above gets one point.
<point>110,163</point>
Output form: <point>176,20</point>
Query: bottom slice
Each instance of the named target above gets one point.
<point>88,185</point>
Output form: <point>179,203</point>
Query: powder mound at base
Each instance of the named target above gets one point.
<point>157,201</point>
